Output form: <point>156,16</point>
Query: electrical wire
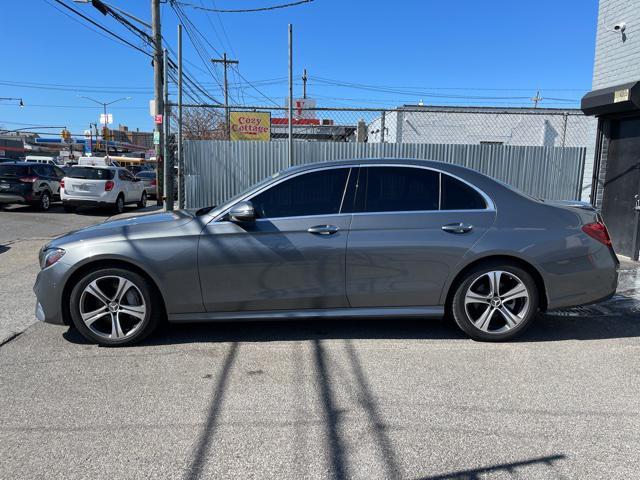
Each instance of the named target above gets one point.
<point>245,10</point>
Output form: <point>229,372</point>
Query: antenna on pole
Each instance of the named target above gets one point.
<point>304,84</point>
<point>536,99</point>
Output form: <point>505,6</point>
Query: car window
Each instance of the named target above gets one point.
<point>59,172</point>
<point>14,170</point>
<point>397,189</point>
<point>125,175</point>
<point>146,174</point>
<point>314,193</point>
<point>39,170</point>
<point>89,173</point>
<point>457,195</point>
<point>48,170</point>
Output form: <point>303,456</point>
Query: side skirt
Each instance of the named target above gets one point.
<point>378,312</point>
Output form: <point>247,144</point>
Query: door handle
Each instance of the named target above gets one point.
<point>457,227</point>
<point>323,229</point>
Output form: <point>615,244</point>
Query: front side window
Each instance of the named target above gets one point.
<point>397,189</point>
<point>314,193</point>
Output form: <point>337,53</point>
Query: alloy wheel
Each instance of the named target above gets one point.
<point>112,307</point>
<point>497,301</point>
<point>45,201</point>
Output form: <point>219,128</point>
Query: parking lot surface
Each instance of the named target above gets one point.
<point>318,399</point>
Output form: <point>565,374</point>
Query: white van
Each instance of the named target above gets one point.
<point>41,159</point>
<point>97,162</point>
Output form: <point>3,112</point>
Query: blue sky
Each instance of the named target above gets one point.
<point>440,52</point>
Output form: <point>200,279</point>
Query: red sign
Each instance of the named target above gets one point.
<point>158,119</point>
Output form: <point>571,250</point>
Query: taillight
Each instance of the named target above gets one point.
<point>154,182</point>
<point>598,231</point>
<point>108,186</point>
<point>62,183</point>
<point>28,179</point>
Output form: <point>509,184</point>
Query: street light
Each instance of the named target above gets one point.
<point>104,106</point>
<point>21,104</point>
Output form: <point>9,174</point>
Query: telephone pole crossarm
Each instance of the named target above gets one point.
<point>226,62</point>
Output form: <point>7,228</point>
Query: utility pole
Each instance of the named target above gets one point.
<point>180,160</point>
<point>536,99</point>
<point>166,123</point>
<point>290,95</point>
<point>157,93</point>
<point>304,84</point>
<point>224,61</point>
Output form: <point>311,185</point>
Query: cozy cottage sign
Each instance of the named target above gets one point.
<point>250,126</point>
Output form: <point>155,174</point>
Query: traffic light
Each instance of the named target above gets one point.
<point>106,133</point>
<point>65,134</point>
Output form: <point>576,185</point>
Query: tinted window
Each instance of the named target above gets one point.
<point>397,189</point>
<point>13,171</point>
<point>146,174</point>
<point>460,196</point>
<point>90,173</point>
<point>316,193</point>
<point>59,172</point>
<point>48,171</point>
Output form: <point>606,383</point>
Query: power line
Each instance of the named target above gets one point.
<point>245,10</point>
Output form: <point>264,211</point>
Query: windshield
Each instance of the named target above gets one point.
<point>233,199</point>
<point>13,170</point>
<point>90,173</point>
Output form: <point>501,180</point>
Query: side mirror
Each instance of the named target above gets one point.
<point>242,212</point>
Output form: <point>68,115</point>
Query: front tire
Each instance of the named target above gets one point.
<point>143,200</point>
<point>114,307</point>
<point>495,302</point>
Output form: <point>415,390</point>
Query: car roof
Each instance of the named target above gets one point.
<point>99,167</point>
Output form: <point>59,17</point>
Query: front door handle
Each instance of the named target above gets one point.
<point>323,229</point>
<point>457,227</point>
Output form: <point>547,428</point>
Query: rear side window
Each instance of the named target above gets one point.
<point>457,195</point>
<point>14,171</point>
<point>315,193</point>
<point>397,189</point>
<point>90,173</point>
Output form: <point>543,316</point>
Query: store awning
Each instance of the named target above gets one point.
<point>618,99</point>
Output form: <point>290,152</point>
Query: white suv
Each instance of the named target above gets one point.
<point>101,187</point>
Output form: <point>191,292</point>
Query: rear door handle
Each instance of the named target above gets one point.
<point>457,227</point>
<point>323,229</point>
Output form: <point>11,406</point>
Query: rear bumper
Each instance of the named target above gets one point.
<point>48,289</point>
<point>15,198</point>
<point>77,202</point>
<point>584,280</point>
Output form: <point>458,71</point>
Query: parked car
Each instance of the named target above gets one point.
<point>43,159</point>
<point>29,183</point>
<point>359,238</point>
<point>148,178</point>
<point>101,186</point>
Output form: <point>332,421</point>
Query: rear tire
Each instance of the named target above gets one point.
<point>115,307</point>
<point>45,201</point>
<point>118,207</point>
<point>489,313</point>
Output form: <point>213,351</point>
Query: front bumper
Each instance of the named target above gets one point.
<point>48,289</point>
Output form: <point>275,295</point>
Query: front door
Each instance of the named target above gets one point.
<point>291,257</point>
<point>622,183</point>
<point>410,228</point>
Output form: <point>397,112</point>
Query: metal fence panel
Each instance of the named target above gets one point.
<point>215,170</point>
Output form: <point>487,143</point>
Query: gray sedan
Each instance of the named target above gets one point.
<point>366,238</point>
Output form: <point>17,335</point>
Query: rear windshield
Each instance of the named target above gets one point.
<point>89,173</point>
<point>13,170</point>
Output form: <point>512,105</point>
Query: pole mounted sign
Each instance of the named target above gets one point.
<point>250,126</point>
<point>158,119</point>
<point>106,119</point>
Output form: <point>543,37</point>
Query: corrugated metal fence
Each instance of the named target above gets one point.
<point>215,170</point>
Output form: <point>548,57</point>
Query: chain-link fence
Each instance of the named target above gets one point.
<point>402,131</point>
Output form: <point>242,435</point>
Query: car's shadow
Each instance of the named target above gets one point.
<point>546,328</point>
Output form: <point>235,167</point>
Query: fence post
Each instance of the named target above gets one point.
<point>382,125</point>
<point>290,95</point>
<point>564,128</point>
<point>361,135</point>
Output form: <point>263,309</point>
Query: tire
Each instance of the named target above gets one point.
<point>68,208</point>
<point>118,207</point>
<point>45,201</point>
<point>113,325</point>
<point>143,200</point>
<point>504,316</point>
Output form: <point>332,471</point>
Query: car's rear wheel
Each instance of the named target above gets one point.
<point>114,307</point>
<point>143,200</point>
<point>45,201</point>
<point>495,302</point>
<point>118,207</point>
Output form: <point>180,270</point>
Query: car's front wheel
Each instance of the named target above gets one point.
<point>45,201</point>
<point>495,302</point>
<point>118,207</point>
<point>114,307</point>
<point>143,200</point>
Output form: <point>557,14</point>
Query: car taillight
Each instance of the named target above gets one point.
<point>28,179</point>
<point>598,231</point>
<point>154,182</point>
<point>108,186</point>
<point>62,183</point>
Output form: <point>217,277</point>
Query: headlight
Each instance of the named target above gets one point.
<point>50,256</point>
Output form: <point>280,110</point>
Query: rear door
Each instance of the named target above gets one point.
<point>15,179</point>
<point>411,226</point>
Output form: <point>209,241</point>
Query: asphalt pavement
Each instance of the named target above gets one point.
<point>319,399</point>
